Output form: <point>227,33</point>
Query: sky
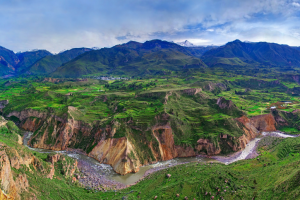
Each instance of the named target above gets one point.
<point>58,25</point>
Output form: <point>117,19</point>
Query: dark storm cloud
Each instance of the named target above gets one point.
<point>62,24</point>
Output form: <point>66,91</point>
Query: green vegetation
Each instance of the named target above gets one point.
<point>29,58</point>
<point>132,105</point>
<point>161,84</point>
<point>50,63</point>
<point>273,175</point>
<point>131,59</point>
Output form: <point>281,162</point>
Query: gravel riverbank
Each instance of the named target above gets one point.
<point>91,178</point>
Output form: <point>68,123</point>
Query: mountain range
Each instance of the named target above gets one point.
<point>186,43</point>
<point>50,63</point>
<point>132,58</point>
<point>245,53</point>
<point>151,57</point>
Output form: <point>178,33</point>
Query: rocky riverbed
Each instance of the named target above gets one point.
<point>91,178</point>
<point>97,176</point>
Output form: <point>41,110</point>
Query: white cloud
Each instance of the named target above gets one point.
<point>296,4</point>
<point>64,24</point>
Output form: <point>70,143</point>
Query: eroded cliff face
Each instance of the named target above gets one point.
<point>207,147</point>
<point>24,114</point>
<point>11,185</point>
<point>117,152</point>
<point>164,136</point>
<point>254,126</point>
<point>3,103</point>
<point>10,158</point>
<point>56,133</point>
<point>167,148</point>
<point>251,127</point>
<point>225,104</point>
<point>264,122</point>
<point>121,153</point>
<point>67,168</point>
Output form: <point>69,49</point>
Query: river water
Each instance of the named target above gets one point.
<point>109,173</point>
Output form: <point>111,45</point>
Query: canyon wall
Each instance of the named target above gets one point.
<point>59,134</point>
<point>126,147</point>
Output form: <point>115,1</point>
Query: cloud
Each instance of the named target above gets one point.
<point>296,4</point>
<point>64,24</point>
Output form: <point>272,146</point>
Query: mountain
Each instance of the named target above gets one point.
<point>239,53</point>
<point>298,48</point>
<point>132,58</point>
<point>198,51</point>
<point>28,58</point>
<point>50,63</point>
<point>186,44</point>
<point>195,50</point>
<point>8,61</point>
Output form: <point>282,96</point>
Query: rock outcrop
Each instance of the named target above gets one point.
<point>206,147</point>
<point>164,136</point>
<point>225,104</point>
<point>25,114</point>
<point>52,132</point>
<point>117,152</point>
<point>210,86</point>
<point>264,122</point>
<point>12,188</point>
<point>67,168</point>
<point>254,126</point>
<point>192,91</point>
<point>3,103</point>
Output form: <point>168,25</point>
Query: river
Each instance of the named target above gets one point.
<point>107,171</point>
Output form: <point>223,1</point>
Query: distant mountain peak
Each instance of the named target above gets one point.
<point>31,51</point>
<point>186,43</point>
<point>237,40</point>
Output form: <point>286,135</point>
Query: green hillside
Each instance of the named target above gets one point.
<point>8,61</point>
<point>260,53</point>
<point>131,59</point>
<point>50,63</point>
<point>28,58</point>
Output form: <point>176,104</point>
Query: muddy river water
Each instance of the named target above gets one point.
<point>109,173</point>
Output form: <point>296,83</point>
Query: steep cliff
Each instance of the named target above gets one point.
<point>127,144</point>
<point>16,160</point>
<point>264,122</point>
<point>13,185</point>
<point>119,153</point>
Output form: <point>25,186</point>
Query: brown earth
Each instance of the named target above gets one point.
<point>121,153</point>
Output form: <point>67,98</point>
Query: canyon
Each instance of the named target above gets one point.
<point>58,133</point>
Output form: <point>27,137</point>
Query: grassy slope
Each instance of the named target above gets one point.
<point>131,59</point>
<point>261,53</point>
<point>50,63</point>
<point>273,176</point>
<point>191,117</point>
<point>44,188</point>
<point>276,180</point>
<point>30,57</point>
<point>8,61</point>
